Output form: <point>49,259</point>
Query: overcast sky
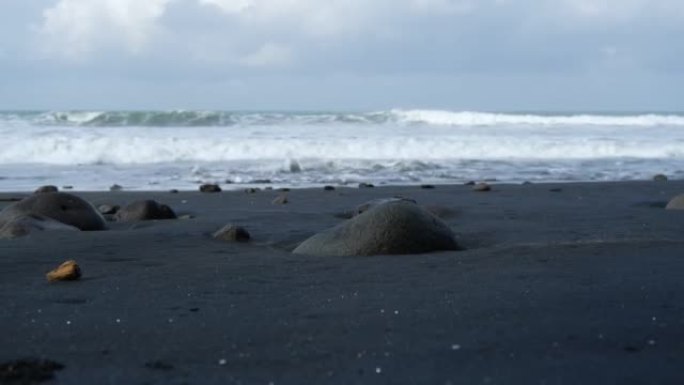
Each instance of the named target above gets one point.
<point>504,55</point>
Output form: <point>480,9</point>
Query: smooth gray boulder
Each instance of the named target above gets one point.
<point>362,208</point>
<point>61,207</point>
<point>26,224</point>
<point>676,203</point>
<point>46,189</point>
<point>145,210</point>
<point>393,227</point>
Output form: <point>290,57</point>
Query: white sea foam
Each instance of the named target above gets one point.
<point>142,145</point>
<point>467,118</point>
<point>180,148</point>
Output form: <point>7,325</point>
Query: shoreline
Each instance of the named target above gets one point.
<point>557,283</point>
<point>240,187</point>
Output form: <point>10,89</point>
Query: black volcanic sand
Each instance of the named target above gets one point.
<point>573,286</point>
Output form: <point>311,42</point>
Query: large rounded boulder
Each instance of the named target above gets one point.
<point>61,207</point>
<point>145,210</point>
<point>392,227</point>
<point>27,224</point>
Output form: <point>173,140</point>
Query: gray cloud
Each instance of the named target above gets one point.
<point>488,54</point>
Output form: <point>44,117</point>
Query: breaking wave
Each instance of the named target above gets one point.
<point>183,118</point>
<point>153,149</point>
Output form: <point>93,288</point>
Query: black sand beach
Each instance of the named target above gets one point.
<point>558,284</point>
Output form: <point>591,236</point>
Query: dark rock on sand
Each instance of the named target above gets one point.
<point>427,186</point>
<point>368,205</point>
<point>469,183</point>
<point>396,227</point>
<point>173,191</point>
<point>46,189</point>
<point>210,188</point>
<point>660,178</point>
<point>362,208</point>
<point>115,187</point>
<point>232,233</point>
<point>252,190</point>
<point>676,203</point>
<point>482,187</point>
<point>366,185</point>
<point>328,188</point>
<point>62,207</point>
<point>281,200</point>
<point>28,371</point>
<point>108,209</point>
<point>144,211</point>
<point>26,224</point>
<point>67,271</point>
<point>158,365</point>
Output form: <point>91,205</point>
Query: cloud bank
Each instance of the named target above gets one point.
<point>278,32</point>
<point>480,47</point>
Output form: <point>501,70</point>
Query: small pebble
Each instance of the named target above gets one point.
<point>67,271</point>
<point>108,209</point>
<point>232,233</point>
<point>280,200</point>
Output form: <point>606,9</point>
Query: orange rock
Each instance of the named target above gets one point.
<point>67,271</point>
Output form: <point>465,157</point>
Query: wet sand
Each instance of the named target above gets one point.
<point>558,284</point>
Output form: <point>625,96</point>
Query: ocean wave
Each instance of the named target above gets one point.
<point>467,118</point>
<point>187,118</point>
<point>183,118</point>
<point>122,147</point>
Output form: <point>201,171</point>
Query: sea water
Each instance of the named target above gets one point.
<point>154,150</point>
